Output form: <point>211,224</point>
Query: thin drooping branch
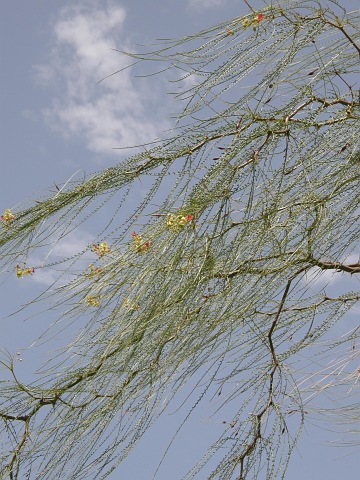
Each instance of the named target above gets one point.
<point>257,435</point>
<point>201,281</point>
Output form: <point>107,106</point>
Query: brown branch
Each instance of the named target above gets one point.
<point>342,29</point>
<point>241,269</point>
<point>18,448</point>
<point>269,403</point>
<point>323,101</point>
<point>40,402</point>
<point>186,151</point>
<point>249,6</point>
<point>312,305</point>
<point>328,103</point>
<point>22,418</point>
<point>339,267</point>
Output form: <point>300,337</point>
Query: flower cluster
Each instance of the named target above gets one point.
<point>131,306</point>
<point>101,249</point>
<point>93,301</point>
<point>138,243</point>
<point>7,217</point>
<point>94,271</point>
<point>178,220</point>
<point>21,272</point>
<point>252,22</point>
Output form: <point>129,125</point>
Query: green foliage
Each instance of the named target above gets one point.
<point>259,183</point>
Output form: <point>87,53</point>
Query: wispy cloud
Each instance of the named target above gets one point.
<point>321,278</point>
<point>316,277</point>
<point>205,4</point>
<point>113,113</point>
<point>60,250</point>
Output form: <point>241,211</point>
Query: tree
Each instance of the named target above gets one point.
<point>210,282</point>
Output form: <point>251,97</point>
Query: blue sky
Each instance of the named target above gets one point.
<point>57,120</point>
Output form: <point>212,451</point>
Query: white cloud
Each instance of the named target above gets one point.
<point>321,278</point>
<point>59,249</point>
<point>75,241</point>
<point>316,277</point>
<point>204,4</point>
<point>113,113</point>
<point>45,277</point>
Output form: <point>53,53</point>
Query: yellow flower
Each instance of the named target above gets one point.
<point>131,306</point>
<point>254,21</point>
<point>245,22</point>
<point>178,221</point>
<point>94,271</point>
<point>7,217</point>
<point>25,271</point>
<point>93,301</point>
<point>139,244</point>
<point>101,249</point>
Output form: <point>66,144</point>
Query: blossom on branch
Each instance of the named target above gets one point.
<point>93,301</point>
<point>101,249</point>
<point>7,217</point>
<point>247,22</point>
<point>138,243</point>
<point>130,305</point>
<point>178,220</point>
<point>21,272</point>
<point>94,271</point>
